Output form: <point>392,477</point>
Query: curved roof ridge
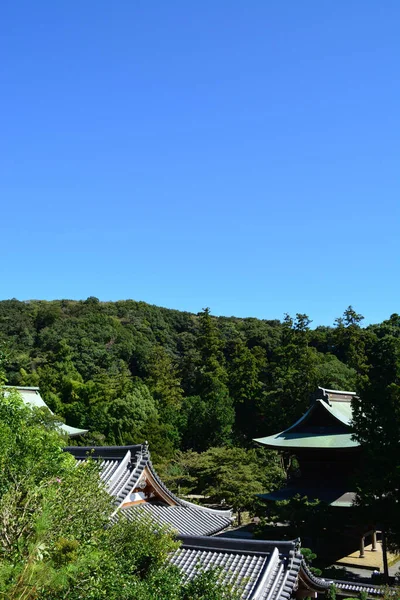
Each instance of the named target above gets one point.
<point>323,584</point>
<point>338,410</point>
<point>243,544</point>
<point>76,449</point>
<point>344,392</point>
<point>21,387</point>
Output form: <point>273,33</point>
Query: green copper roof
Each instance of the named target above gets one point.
<point>31,396</point>
<point>325,425</point>
<point>285,439</point>
<point>341,411</point>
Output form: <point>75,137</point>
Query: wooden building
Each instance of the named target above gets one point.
<point>258,569</point>
<point>327,455</point>
<point>132,480</point>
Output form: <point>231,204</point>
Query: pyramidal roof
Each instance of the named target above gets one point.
<point>325,425</point>
<point>130,477</point>
<point>32,397</point>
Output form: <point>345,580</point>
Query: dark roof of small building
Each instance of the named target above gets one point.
<point>122,468</point>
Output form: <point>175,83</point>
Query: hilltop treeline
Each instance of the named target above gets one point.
<point>129,371</point>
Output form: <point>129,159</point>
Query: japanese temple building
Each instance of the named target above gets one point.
<point>259,569</point>
<point>131,478</point>
<point>31,396</point>
<point>327,455</point>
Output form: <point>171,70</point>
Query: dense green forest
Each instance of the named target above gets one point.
<point>46,555</point>
<point>193,385</point>
<point>128,371</point>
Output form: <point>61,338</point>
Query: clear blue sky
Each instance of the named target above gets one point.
<point>239,155</point>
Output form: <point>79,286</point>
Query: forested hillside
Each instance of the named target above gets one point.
<point>128,371</point>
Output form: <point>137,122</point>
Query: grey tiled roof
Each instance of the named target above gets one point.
<point>184,518</point>
<point>348,587</point>
<point>260,570</point>
<point>121,468</point>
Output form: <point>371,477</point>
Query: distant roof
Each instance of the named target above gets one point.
<point>337,497</point>
<point>308,440</point>
<point>349,588</point>
<point>259,569</point>
<point>131,478</point>
<point>334,434</point>
<point>31,396</point>
<point>185,519</point>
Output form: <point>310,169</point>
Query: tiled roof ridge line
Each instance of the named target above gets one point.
<point>264,575</point>
<point>231,543</point>
<point>318,581</point>
<point>179,501</point>
<point>21,387</point>
<point>88,449</point>
<point>323,584</point>
<point>121,467</point>
<point>344,392</point>
<point>142,459</point>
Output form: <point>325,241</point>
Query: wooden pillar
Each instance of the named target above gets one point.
<point>374,548</point>
<point>362,554</point>
<point>384,556</point>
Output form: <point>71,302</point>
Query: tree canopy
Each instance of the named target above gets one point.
<point>128,371</point>
<point>56,537</point>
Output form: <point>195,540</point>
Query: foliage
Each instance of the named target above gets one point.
<point>208,586</point>
<point>212,381</point>
<point>331,593</point>
<point>232,476</point>
<point>56,538</point>
<point>309,556</point>
<point>377,425</point>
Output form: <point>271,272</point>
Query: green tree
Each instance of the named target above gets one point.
<point>245,387</point>
<point>376,420</point>
<point>128,417</point>
<point>233,476</point>
<point>164,384</point>
<point>56,538</point>
<point>332,374</point>
<point>210,413</point>
<point>293,375</point>
<point>350,340</point>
